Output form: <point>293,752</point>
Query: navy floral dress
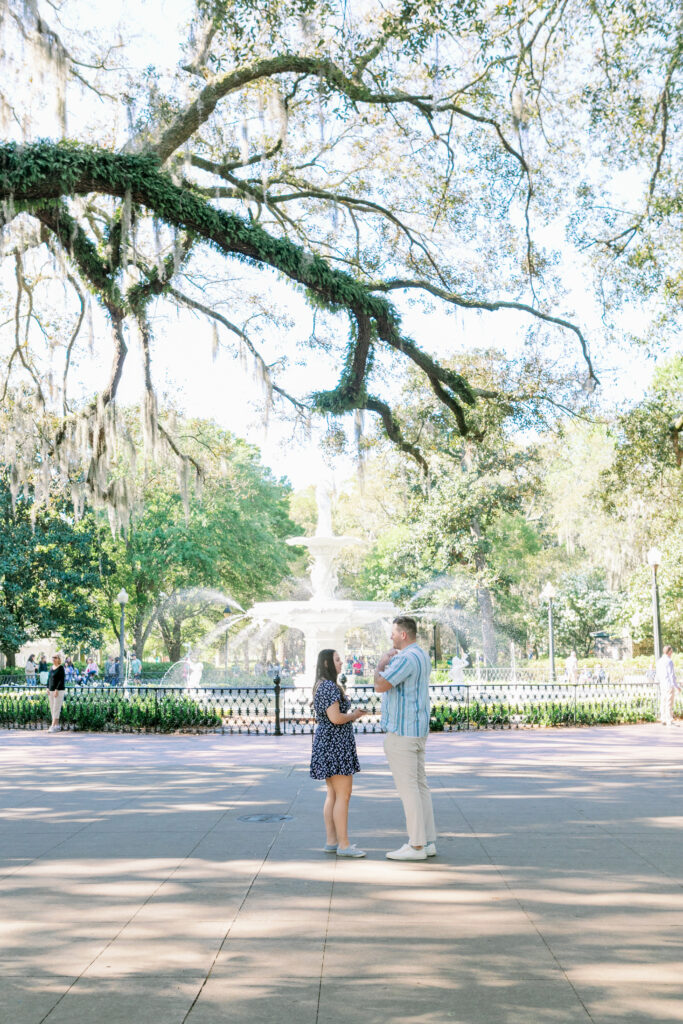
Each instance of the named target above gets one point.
<point>334,746</point>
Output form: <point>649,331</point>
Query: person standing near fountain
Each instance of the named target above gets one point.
<point>334,757</point>
<point>402,677</point>
<point>55,691</point>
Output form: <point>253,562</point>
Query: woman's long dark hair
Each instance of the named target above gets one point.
<point>325,669</point>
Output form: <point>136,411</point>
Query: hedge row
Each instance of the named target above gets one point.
<point>108,711</point>
<point>481,715</point>
<point>111,711</point>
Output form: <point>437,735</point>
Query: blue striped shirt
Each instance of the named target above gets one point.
<point>405,707</point>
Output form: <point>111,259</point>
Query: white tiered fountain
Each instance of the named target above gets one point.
<point>325,618</point>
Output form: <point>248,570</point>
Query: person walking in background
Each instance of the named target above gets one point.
<point>69,670</point>
<point>402,677</point>
<point>136,669</point>
<point>30,670</point>
<point>334,757</point>
<point>599,675</point>
<point>668,687</point>
<point>43,670</point>
<point>571,667</point>
<point>90,671</point>
<point>55,691</point>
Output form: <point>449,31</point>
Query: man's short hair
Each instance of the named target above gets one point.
<point>407,624</point>
<point>667,650</point>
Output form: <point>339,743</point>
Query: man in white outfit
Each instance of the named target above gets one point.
<point>668,687</point>
<point>402,677</point>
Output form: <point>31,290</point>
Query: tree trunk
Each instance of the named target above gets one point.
<point>10,658</point>
<point>485,602</point>
<point>138,639</point>
<point>175,648</point>
<point>488,630</point>
<point>141,633</point>
<point>172,636</point>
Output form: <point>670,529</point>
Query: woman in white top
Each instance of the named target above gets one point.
<point>30,670</point>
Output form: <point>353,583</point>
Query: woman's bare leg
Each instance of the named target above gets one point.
<point>342,786</point>
<point>328,814</point>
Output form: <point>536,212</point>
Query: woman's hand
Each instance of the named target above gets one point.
<point>358,713</point>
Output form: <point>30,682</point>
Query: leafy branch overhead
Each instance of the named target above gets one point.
<point>430,151</point>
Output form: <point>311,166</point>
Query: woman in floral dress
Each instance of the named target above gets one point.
<point>334,756</point>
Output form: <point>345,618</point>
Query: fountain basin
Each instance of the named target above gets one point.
<point>324,623</point>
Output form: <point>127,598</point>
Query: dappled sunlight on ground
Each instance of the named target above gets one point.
<point>131,890</point>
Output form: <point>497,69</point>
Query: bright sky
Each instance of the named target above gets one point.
<point>183,364</point>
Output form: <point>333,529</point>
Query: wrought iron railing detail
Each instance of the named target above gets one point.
<point>286,710</point>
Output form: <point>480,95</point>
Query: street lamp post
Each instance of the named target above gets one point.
<point>654,558</point>
<point>227,611</point>
<point>122,598</point>
<point>547,594</point>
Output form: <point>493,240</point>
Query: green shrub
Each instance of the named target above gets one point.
<point>499,715</point>
<point>155,669</point>
<point>108,711</point>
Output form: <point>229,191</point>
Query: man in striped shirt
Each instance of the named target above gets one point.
<point>402,677</point>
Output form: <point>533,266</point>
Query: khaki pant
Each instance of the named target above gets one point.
<point>56,699</point>
<point>666,704</point>
<point>406,757</point>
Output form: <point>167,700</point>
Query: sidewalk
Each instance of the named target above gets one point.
<point>131,892</point>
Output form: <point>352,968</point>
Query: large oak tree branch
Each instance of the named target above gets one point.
<point>491,306</point>
<point>38,176</point>
<point>197,113</point>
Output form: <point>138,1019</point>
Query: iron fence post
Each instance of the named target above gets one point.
<point>278,731</point>
<point>468,708</point>
<point>575,685</point>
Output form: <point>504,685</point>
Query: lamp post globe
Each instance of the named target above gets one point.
<point>122,599</point>
<point>548,594</point>
<point>654,559</point>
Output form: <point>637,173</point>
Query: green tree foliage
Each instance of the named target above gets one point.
<point>290,138</point>
<point>51,570</point>
<point>584,604</point>
<point>228,537</point>
<point>644,486</point>
<point>462,538</point>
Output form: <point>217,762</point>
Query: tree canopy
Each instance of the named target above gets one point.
<point>448,151</point>
<point>51,574</point>
<point>182,561</point>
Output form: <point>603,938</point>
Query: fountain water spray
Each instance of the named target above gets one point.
<point>325,618</point>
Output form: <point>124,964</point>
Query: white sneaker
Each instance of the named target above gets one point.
<point>430,849</point>
<point>407,852</point>
<point>350,851</point>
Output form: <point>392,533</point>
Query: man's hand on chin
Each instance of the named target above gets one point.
<point>386,658</point>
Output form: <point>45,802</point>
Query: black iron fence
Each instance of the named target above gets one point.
<point>285,710</point>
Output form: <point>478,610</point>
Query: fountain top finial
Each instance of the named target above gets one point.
<point>324,545</point>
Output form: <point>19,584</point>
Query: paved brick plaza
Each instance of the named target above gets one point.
<point>131,892</point>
